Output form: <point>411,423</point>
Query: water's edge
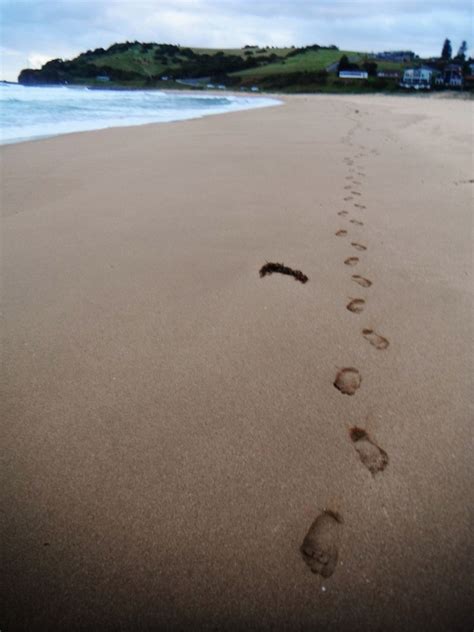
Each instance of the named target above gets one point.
<point>31,114</point>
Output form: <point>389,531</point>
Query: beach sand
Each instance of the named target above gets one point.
<point>171,428</point>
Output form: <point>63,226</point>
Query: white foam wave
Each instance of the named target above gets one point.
<point>29,113</point>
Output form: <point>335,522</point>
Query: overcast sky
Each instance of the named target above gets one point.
<point>33,31</point>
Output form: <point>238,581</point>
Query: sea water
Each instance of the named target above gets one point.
<point>37,112</point>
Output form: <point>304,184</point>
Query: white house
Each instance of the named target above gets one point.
<point>353,74</point>
<point>417,78</point>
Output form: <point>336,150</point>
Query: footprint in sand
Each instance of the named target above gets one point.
<point>343,213</point>
<point>356,222</point>
<point>346,199</point>
<point>360,206</point>
<point>357,182</point>
<point>358,246</point>
<point>379,342</point>
<point>356,193</point>
<point>349,186</point>
<point>341,233</point>
<point>356,305</point>
<point>351,261</point>
<point>361,174</point>
<point>361,280</point>
<point>320,548</point>
<point>372,456</point>
<point>348,381</point>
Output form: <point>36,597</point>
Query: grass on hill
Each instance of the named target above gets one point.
<point>153,62</point>
<point>253,51</point>
<point>309,61</point>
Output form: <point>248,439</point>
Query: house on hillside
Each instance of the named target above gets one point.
<point>418,78</point>
<point>396,55</point>
<point>353,74</point>
<point>452,76</point>
<point>102,78</point>
<point>469,78</point>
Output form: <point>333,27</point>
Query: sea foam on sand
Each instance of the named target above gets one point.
<point>36,112</point>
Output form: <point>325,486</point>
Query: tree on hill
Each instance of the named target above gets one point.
<point>447,51</point>
<point>461,55</point>
<point>345,64</point>
<point>370,67</point>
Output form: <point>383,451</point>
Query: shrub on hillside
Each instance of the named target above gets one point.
<point>282,80</point>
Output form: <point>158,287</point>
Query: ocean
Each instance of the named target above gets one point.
<point>28,113</point>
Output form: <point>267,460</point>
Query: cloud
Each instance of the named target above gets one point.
<point>64,28</point>
<point>36,60</point>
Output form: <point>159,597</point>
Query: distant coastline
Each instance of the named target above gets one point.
<point>290,70</point>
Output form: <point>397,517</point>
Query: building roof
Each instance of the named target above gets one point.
<point>353,73</point>
<point>422,68</point>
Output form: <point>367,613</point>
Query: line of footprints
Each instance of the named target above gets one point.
<point>320,548</point>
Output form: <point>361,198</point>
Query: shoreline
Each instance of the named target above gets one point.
<point>175,423</point>
<point>235,103</point>
<point>278,97</point>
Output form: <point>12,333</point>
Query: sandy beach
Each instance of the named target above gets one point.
<point>173,423</point>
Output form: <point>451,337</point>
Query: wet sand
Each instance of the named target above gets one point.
<point>174,423</point>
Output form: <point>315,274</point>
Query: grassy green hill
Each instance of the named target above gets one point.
<point>135,64</point>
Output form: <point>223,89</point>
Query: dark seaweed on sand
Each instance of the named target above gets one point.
<point>269,268</point>
<point>357,434</point>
